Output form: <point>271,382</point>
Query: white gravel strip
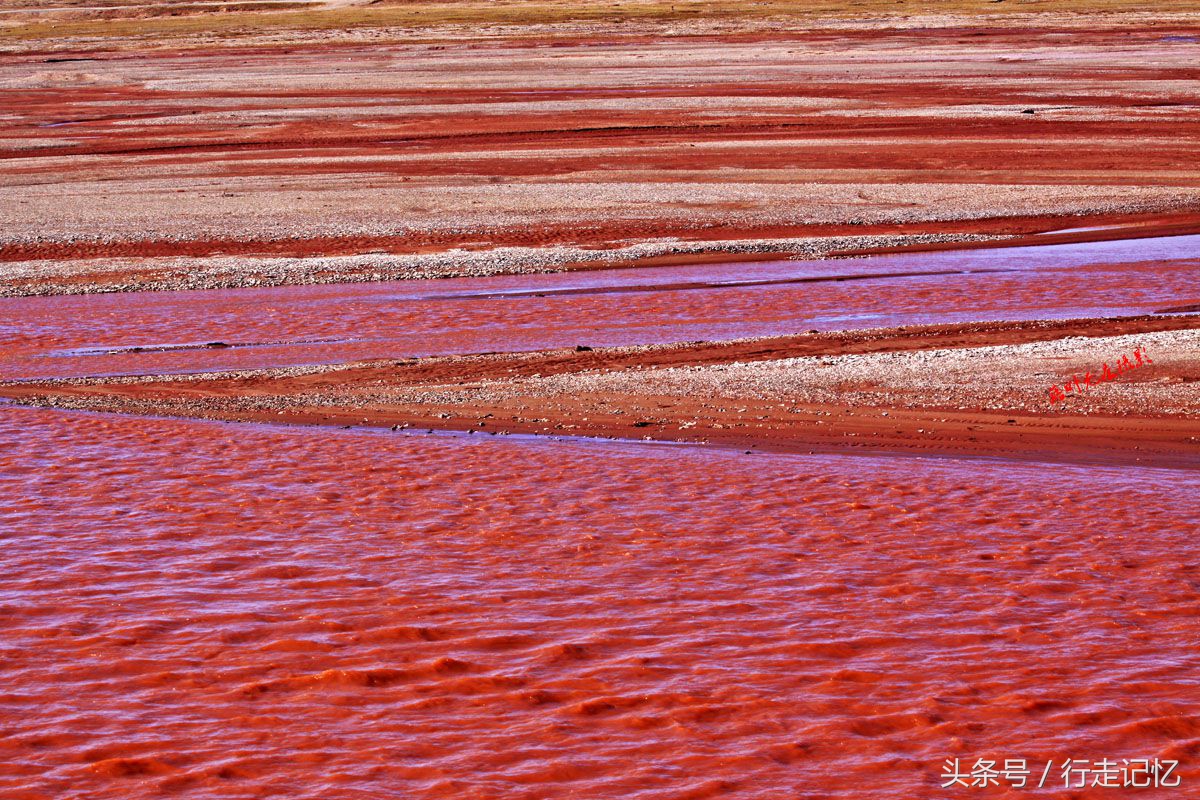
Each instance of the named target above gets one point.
<point>1001,377</point>
<point>230,271</point>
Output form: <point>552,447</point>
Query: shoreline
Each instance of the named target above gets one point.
<point>617,393</point>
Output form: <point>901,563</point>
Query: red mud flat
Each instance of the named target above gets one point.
<point>753,137</point>
<point>978,389</point>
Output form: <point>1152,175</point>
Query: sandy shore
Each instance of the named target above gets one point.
<point>980,389</point>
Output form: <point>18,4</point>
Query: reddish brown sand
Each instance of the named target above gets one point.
<point>582,139</point>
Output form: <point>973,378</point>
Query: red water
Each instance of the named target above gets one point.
<point>207,610</point>
<point>72,336</point>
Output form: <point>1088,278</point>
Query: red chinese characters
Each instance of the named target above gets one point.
<point>1077,385</point>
